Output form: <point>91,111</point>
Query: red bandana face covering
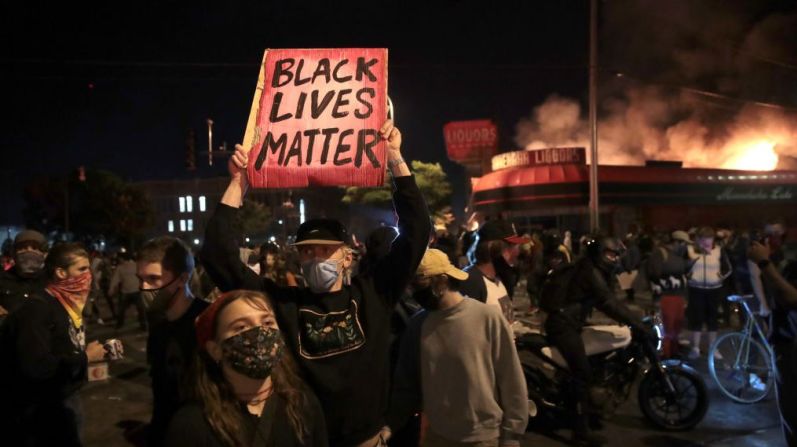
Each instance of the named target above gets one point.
<point>72,294</point>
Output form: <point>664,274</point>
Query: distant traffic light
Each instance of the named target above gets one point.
<point>190,150</point>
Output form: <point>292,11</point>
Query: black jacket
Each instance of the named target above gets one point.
<point>189,427</point>
<point>583,287</point>
<point>341,339</point>
<point>43,366</point>
<point>15,289</point>
<point>171,349</point>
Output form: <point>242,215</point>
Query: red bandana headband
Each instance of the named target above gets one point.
<point>204,322</point>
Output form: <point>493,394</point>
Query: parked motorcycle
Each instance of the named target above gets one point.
<point>671,394</point>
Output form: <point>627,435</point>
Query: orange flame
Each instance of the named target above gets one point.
<point>758,156</point>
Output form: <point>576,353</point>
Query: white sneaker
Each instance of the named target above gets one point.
<point>694,354</point>
<point>718,356</point>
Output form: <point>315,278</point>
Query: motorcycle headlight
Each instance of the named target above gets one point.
<point>659,329</point>
<point>655,323</point>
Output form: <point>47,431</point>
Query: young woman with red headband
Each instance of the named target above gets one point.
<point>45,357</point>
<point>246,390</point>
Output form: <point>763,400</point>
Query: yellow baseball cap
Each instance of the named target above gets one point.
<point>435,262</point>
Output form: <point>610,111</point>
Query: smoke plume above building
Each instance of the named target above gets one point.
<point>712,84</point>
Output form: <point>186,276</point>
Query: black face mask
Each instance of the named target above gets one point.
<point>159,300</point>
<point>254,352</point>
<point>427,298</point>
<point>29,263</point>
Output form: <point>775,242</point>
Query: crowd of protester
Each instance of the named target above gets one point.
<point>326,342</point>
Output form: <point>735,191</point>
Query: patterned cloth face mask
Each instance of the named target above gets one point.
<point>254,352</point>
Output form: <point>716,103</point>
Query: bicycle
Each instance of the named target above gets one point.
<point>742,363</point>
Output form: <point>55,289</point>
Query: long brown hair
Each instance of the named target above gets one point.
<point>219,403</point>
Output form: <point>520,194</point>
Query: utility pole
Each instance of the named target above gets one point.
<point>210,142</point>
<point>594,214</point>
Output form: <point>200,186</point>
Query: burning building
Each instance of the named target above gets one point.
<point>550,188</point>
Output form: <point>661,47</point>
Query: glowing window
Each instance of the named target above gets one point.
<point>189,203</point>
<point>182,224</point>
<point>202,204</point>
<point>190,223</point>
<point>182,204</point>
<point>171,226</point>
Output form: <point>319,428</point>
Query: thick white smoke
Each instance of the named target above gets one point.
<point>653,120</point>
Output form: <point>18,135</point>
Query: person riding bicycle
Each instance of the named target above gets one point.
<point>570,292</point>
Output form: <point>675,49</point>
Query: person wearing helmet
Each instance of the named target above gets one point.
<point>569,294</point>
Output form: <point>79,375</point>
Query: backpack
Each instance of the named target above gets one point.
<point>555,288</point>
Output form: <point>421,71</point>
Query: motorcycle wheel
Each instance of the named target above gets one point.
<point>676,411</point>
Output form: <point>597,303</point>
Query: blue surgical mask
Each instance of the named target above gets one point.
<point>321,275</point>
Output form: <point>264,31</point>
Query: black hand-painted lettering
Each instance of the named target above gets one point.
<point>317,109</point>
<point>300,104</point>
<point>335,74</point>
<point>273,117</point>
<point>341,102</point>
<point>270,145</point>
<point>298,80</point>
<point>342,148</point>
<point>310,134</point>
<point>365,145</point>
<point>360,93</point>
<point>327,137</point>
<point>363,68</point>
<point>281,69</point>
<point>295,150</point>
<point>322,70</point>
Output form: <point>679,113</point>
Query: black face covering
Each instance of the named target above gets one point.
<point>159,299</point>
<point>29,263</point>
<point>427,298</point>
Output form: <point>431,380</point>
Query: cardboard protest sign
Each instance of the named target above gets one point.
<point>316,116</point>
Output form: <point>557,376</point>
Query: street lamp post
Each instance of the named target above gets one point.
<point>594,214</point>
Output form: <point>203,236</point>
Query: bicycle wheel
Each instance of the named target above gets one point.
<point>744,371</point>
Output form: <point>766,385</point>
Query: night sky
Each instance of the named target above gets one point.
<point>116,86</point>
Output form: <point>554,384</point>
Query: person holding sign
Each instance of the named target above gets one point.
<point>339,327</point>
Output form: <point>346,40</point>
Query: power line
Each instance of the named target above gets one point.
<point>707,94</point>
